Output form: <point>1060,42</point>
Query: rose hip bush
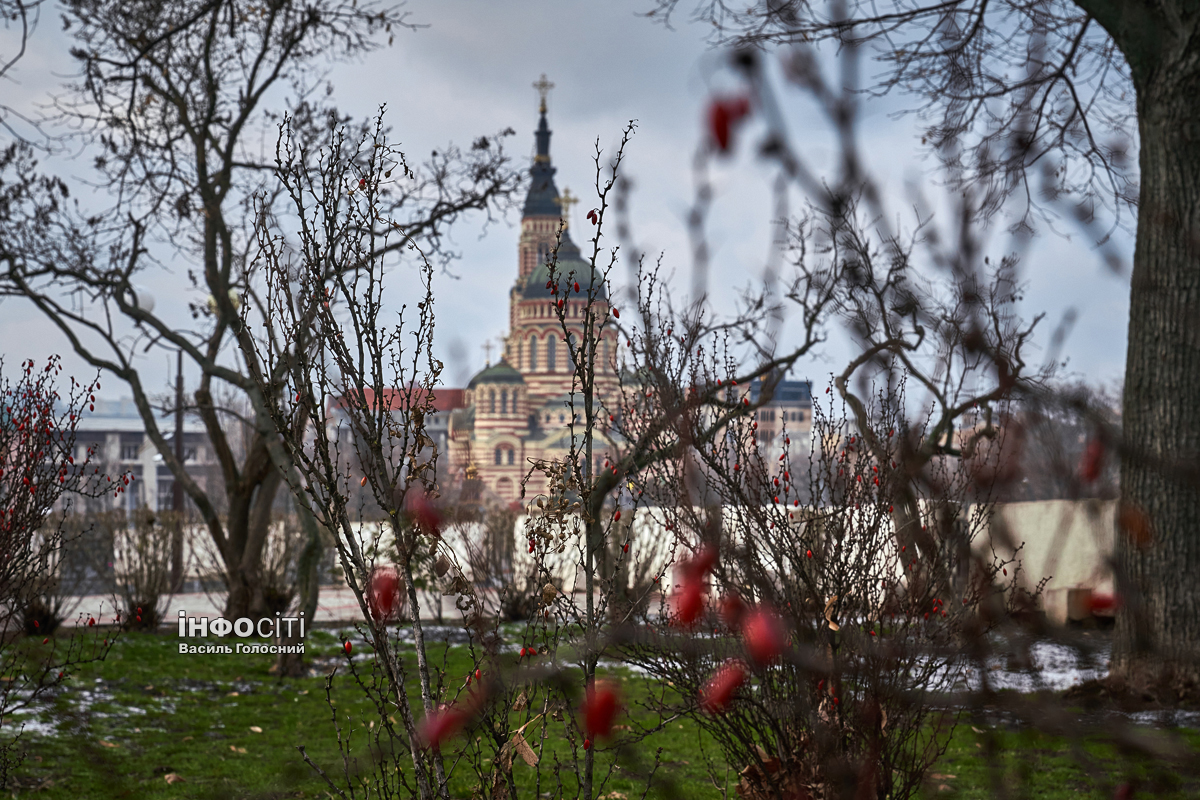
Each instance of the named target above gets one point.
<point>41,474</point>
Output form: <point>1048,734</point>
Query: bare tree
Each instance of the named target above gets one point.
<point>1036,103</point>
<point>173,98</point>
<point>20,19</point>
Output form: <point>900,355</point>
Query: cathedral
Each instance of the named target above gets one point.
<point>517,411</point>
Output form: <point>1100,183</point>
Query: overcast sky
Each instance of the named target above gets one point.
<point>470,73</point>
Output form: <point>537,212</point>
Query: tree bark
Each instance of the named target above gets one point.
<point>291,665</point>
<point>247,537</point>
<point>1157,633</point>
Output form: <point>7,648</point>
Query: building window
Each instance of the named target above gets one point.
<point>533,354</point>
<point>499,456</point>
<point>511,455</point>
<point>129,452</point>
<point>491,401</point>
<point>504,401</point>
<point>520,353</point>
<point>551,355</point>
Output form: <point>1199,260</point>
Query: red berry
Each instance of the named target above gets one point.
<point>616,313</point>
<point>688,601</point>
<point>599,710</point>
<point>441,725</point>
<point>1092,461</point>
<point>384,599</point>
<point>764,635</point>
<point>348,647</point>
<point>587,744</point>
<point>717,693</point>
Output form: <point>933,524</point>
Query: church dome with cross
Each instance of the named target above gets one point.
<point>570,268</point>
<point>516,413</point>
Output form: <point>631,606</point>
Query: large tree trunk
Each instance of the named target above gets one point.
<point>291,665</point>
<point>247,537</point>
<point>1159,626</point>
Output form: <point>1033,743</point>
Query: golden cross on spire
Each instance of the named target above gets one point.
<point>565,201</point>
<point>543,87</point>
<point>487,348</point>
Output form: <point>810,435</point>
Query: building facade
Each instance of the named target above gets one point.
<point>517,411</point>
<point>116,434</point>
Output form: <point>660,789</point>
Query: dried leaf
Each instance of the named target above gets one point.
<point>524,750</point>
<point>256,729</point>
<point>173,777</point>
<point>108,744</point>
<point>520,703</point>
<point>504,759</point>
<point>829,607</point>
<point>833,626</point>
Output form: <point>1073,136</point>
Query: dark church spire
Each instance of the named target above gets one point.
<point>542,192</point>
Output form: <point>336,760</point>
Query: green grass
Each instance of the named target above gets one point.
<point>148,711</point>
<point>1029,764</point>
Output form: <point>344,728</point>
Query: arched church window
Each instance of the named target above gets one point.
<point>533,354</point>
<point>499,456</point>
<point>511,455</point>
<point>504,401</point>
<point>491,401</point>
<point>551,355</point>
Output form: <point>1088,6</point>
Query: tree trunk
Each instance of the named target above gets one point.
<point>1157,627</point>
<point>291,665</point>
<point>247,537</point>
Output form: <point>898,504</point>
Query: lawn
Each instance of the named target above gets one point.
<point>229,729</point>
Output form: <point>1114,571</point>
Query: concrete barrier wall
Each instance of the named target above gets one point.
<point>1067,542</point>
